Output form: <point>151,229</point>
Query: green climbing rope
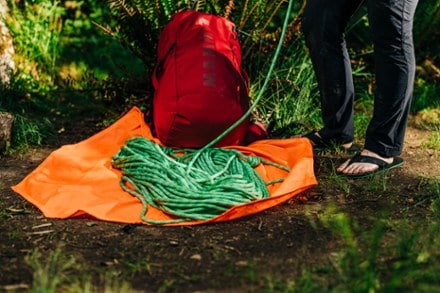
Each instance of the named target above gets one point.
<point>194,184</point>
<point>164,178</point>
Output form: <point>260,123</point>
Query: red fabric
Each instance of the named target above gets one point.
<point>200,86</point>
<point>256,131</point>
<point>78,179</point>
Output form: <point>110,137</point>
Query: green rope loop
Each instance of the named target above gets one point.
<point>186,186</point>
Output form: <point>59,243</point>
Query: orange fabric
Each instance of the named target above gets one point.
<point>78,179</point>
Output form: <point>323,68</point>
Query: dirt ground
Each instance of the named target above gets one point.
<point>244,255</point>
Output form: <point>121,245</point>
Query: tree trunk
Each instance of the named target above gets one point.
<point>7,64</point>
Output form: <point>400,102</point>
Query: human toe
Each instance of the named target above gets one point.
<point>343,166</point>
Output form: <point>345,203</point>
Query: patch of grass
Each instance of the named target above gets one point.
<point>141,265</point>
<point>433,140</point>
<point>168,285</point>
<point>434,189</point>
<point>290,101</point>
<point>426,95</point>
<point>115,285</point>
<point>363,113</point>
<point>388,255</point>
<point>428,118</point>
<point>37,30</point>
<point>377,183</point>
<point>56,272</point>
<point>335,179</point>
<point>304,283</point>
<point>30,123</point>
<point>391,256</point>
<point>413,260</point>
<point>28,132</point>
<point>65,65</point>
<point>48,272</point>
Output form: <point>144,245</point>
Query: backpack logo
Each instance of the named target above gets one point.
<point>209,62</point>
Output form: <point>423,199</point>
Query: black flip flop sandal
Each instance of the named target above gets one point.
<point>383,166</point>
<point>320,145</point>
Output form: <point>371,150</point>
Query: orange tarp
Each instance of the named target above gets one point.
<point>78,179</point>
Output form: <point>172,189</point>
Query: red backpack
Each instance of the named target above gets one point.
<point>200,86</point>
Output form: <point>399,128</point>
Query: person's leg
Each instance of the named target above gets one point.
<point>391,25</point>
<point>391,22</point>
<point>323,25</point>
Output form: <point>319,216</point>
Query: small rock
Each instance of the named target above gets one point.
<point>241,263</point>
<point>196,257</point>
<point>6,123</point>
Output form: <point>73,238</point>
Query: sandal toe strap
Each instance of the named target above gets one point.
<point>358,158</point>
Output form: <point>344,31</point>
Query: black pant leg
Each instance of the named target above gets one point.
<point>324,23</point>
<point>391,23</point>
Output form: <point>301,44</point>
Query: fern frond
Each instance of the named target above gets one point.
<point>124,9</point>
<point>228,9</point>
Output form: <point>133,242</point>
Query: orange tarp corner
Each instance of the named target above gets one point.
<point>78,179</point>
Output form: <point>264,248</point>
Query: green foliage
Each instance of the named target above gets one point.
<point>31,125</point>
<point>433,140</point>
<point>260,24</point>
<point>54,273</point>
<point>48,274</point>
<point>290,104</point>
<point>390,256</point>
<point>104,51</point>
<point>88,54</point>
<point>426,28</point>
<point>65,62</point>
<point>138,24</point>
<point>426,95</point>
<point>28,132</point>
<point>435,205</point>
<point>36,28</point>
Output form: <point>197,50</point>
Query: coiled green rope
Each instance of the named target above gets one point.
<point>194,184</point>
<point>164,178</point>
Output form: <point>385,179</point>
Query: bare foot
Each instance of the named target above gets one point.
<point>362,168</point>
